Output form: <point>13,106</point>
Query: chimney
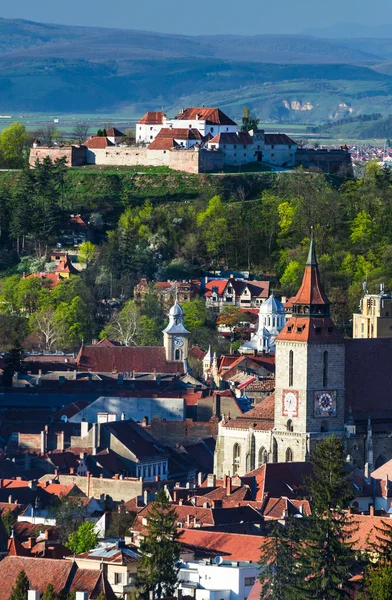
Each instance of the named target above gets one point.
<point>217,412</point>
<point>229,487</point>
<point>211,480</point>
<point>75,374</point>
<point>180,502</point>
<point>30,542</point>
<point>199,479</point>
<point>371,510</point>
<point>33,484</point>
<point>71,471</point>
<point>123,416</point>
<point>10,499</point>
<point>145,497</point>
<point>60,441</point>
<point>33,595</point>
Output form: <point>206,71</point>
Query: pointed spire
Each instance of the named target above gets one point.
<point>312,260</point>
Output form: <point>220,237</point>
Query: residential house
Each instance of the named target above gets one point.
<point>235,292</point>
<point>167,291</point>
<point>375,318</point>
<point>62,573</point>
<point>149,126</point>
<point>115,136</point>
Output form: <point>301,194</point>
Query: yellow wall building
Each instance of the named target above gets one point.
<point>375,318</point>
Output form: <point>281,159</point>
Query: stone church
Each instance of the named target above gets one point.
<point>324,384</point>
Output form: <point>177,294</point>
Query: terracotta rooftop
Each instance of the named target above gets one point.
<point>261,417</point>
<point>113,132</point>
<point>152,118</point>
<point>278,139</point>
<point>231,546</point>
<point>212,116</point>
<point>98,142</point>
<point>125,359</point>
<point>226,138</point>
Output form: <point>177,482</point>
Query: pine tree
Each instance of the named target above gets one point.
<point>19,591</point>
<point>326,554</point>
<point>378,583</point>
<point>49,593</point>
<point>278,563</point>
<point>158,570</point>
<point>383,543</point>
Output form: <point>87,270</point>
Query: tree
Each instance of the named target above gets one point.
<point>45,324</point>
<point>84,539</point>
<point>278,565</point>
<point>8,519</point>
<point>160,550</point>
<point>87,252</point>
<point>214,227</point>
<point>195,314</point>
<point>231,316</point>
<point>21,587</point>
<point>378,582</point>
<point>69,514</point>
<point>14,145</point>
<point>13,363</point>
<point>129,137</point>
<point>326,556</point>
<point>120,523</point>
<point>49,593</point>
<point>80,133</point>
<point>249,122</point>
<point>13,330</point>
<point>123,325</point>
<point>48,134</point>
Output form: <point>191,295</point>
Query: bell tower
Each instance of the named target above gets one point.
<point>175,336</point>
<point>309,391</point>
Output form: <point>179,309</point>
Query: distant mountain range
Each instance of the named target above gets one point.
<point>294,78</point>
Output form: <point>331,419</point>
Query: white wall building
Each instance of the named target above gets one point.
<point>217,580</point>
<point>279,149</point>
<point>271,322</point>
<point>149,126</point>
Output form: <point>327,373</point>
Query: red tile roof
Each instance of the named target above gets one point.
<point>113,132</point>
<point>125,359</point>
<point>278,139</point>
<point>152,118</point>
<point>213,116</point>
<point>232,139</point>
<point>310,329</point>
<point>261,417</point>
<point>280,479</point>
<point>97,142</point>
<point>76,222</point>
<point>165,143</point>
<point>231,546</point>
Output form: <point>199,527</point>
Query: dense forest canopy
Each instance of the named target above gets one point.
<point>261,228</point>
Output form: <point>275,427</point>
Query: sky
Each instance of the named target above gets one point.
<point>203,16</point>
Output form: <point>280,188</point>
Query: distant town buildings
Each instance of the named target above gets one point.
<point>375,318</point>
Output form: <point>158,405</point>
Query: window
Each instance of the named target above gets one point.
<point>244,154</point>
<point>290,148</point>
<point>118,578</point>
<point>324,427</point>
<point>149,470</point>
<point>291,368</point>
<point>159,468</point>
<point>272,147</point>
<point>234,146</point>
<point>151,137</point>
<point>289,425</point>
<point>263,456</point>
<point>150,128</point>
<point>325,369</point>
<point>272,154</point>
<point>244,146</point>
<point>211,129</point>
<point>289,455</point>
<point>163,468</point>
<point>177,355</point>
<point>236,458</point>
<point>249,580</point>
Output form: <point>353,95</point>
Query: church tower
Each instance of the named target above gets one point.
<point>309,391</point>
<point>175,336</point>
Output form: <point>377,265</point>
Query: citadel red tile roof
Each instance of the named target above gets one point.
<point>212,116</point>
<point>231,546</point>
<point>152,118</point>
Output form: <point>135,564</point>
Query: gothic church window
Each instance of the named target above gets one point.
<point>263,457</point>
<point>236,458</point>
<point>289,425</point>
<point>291,368</point>
<point>325,369</point>
<point>289,455</point>
<point>324,427</point>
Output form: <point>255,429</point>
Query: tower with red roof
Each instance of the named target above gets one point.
<point>309,393</point>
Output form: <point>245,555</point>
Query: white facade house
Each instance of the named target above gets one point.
<point>115,136</point>
<point>279,149</point>
<point>148,127</point>
<point>271,323</point>
<point>237,148</point>
<point>217,580</point>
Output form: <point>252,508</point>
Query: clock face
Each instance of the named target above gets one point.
<point>325,404</point>
<point>290,403</point>
<point>178,342</point>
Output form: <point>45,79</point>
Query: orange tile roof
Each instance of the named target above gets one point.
<point>261,417</point>
<point>231,546</point>
<point>97,142</point>
<point>152,118</point>
<point>213,116</point>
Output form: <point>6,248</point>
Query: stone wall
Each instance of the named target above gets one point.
<point>329,161</point>
<point>75,155</point>
<point>116,489</point>
<point>132,156</point>
<point>180,432</point>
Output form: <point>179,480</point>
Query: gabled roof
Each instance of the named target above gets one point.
<point>98,142</point>
<point>281,479</point>
<point>278,139</point>
<point>136,439</point>
<point>212,116</point>
<point>231,546</point>
<point>152,118</point>
<point>261,417</point>
<point>113,132</point>
<point>232,138</point>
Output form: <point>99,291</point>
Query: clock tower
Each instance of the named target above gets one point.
<point>175,336</point>
<point>309,392</point>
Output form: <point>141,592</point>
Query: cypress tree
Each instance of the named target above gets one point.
<point>326,554</point>
<point>158,569</point>
<point>49,593</point>
<point>19,591</point>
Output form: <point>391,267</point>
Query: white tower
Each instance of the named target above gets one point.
<point>175,336</point>
<point>271,323</point>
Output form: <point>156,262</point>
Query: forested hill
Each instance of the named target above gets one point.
<point>293,78</point>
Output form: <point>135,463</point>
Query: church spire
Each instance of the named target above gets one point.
<point>312,260</point>
<point>311,299</point>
